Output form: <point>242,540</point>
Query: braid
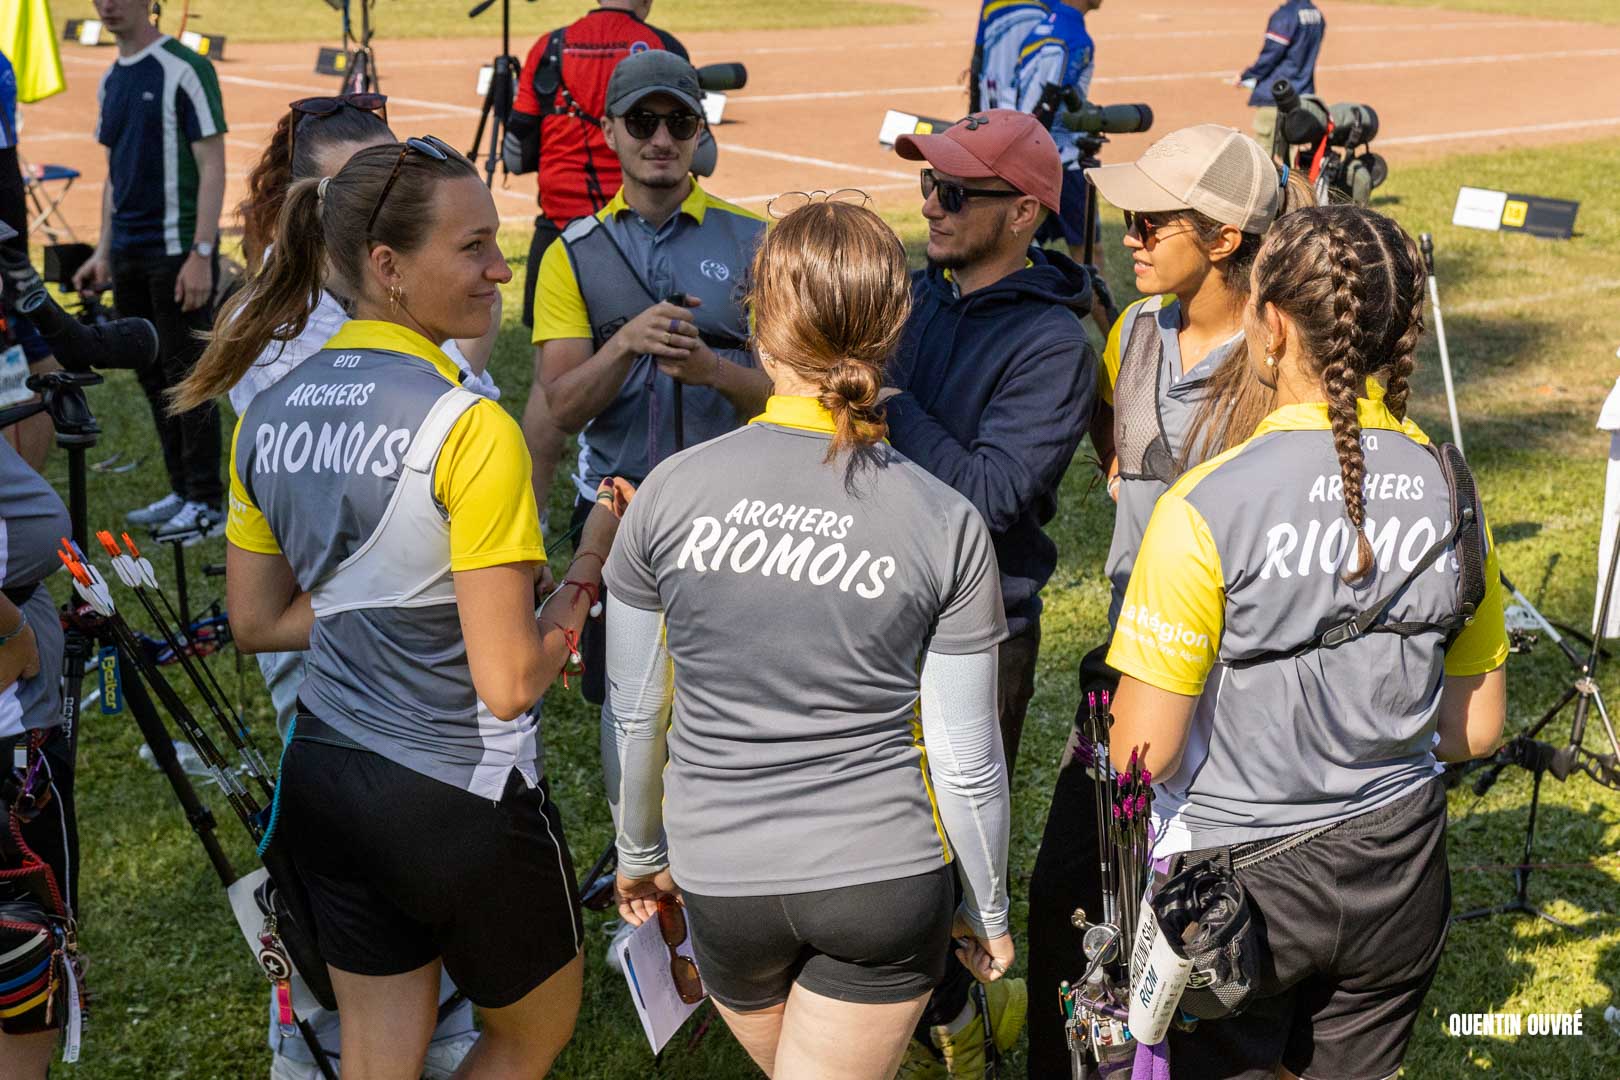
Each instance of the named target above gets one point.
<point>1403,354</point>
<point>1343,363</point>
<point>267,190</point>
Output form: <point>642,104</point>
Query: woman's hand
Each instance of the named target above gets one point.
<point>986,960</point>
<point>638,897</point>
<point>19,657</point>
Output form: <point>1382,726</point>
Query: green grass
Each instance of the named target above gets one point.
<point>314,20</point>
<point>176,994</point>
<point>1602,11</point>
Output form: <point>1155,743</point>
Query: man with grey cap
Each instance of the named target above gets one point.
<point>997,380</point>
<point>639,324</point>
<point>1176,390</point>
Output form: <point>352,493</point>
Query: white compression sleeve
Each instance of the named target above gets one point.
<point>641,686</point>
<point>963,737</point>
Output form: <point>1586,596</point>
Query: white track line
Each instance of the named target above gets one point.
<point>825,95</point>
<point>800,159</point>
<point>1486,133</point>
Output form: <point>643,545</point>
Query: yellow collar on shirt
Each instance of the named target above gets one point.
<point>1313,416</point>
<point>804,413</point>
<point>374,334</point>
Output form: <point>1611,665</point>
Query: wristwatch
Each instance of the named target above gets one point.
<point>203,248</point>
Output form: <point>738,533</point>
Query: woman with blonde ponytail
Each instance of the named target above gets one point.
<point>381,518</point>
<point>791,590</point>
<point>1314,620</point>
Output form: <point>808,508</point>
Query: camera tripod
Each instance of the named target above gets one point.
<point>89,633</point>
<point>497,107</point>
<point>1541,758</point>
<point>361,76</point>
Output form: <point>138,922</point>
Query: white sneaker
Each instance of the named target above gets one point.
<point>195,521</point>
<point>156,513</point>
<point>444,1058</point>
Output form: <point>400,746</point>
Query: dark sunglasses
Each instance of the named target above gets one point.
<point>644,125</point>
<point>326,106</point>
<point>953,196</point>
<point>427,146</point>
<point>672,924</point>
<point>1147,226</point>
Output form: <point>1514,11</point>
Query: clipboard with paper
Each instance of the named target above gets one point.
<point>650,972</point>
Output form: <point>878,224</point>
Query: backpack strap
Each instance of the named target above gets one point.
<point>548,73</point>
<point>1469,536</point>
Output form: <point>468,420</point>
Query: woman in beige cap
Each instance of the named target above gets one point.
<point>1176,390</point>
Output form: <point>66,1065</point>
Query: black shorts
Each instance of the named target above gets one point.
<point>53,833</point>
<point>1352,923</point>
<point>873,944</point>
<point>401,868</point>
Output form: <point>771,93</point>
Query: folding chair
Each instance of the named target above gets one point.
<point>47,186</point>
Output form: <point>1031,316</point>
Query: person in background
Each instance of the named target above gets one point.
<point>1293,41</point>
<point>163,124</point>
<point>993,71</point>
<point>1175,363</point>
<point>556,129</point>
<point>32,438</point>
<point>1058,54</point>
<point>996,382</point>
<point>833,749</point>
<point>1304,760</point>
<point>614,352</point>
<point>313,139</point>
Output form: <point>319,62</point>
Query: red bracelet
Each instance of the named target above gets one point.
<point>575,664</point>
<point>593,593</point>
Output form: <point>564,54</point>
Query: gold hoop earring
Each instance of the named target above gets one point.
<point>396,297</point>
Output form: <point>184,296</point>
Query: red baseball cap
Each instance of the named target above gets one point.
<point>997,142</point>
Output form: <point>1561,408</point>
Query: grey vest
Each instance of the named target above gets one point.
<point>1140,440</point>
<point>637,430</point>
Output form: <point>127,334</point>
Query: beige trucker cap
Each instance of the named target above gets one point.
<point>1211,168</point>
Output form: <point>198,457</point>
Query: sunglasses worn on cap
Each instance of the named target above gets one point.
<point>642,124</point>
<point>672,924</point>
<point>789,201</point>
<point>954,196</point>
<point>428,146</point>
<point>326,106</point>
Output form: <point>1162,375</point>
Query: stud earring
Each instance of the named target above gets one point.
<point>1271,361</point>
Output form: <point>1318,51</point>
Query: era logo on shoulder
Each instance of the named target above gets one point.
<point>714,268</point>
<point>346,360</point>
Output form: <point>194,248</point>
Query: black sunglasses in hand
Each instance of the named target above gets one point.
<point>953,196</point>
<point>428,146</point>
<point>642,124</point>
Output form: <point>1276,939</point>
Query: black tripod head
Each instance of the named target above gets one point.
<point>62,394</point>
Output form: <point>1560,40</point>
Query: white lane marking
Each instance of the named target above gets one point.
<point>800,159</point>
<point>1486,133</point>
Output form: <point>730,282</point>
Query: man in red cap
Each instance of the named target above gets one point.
<point>996,379</point>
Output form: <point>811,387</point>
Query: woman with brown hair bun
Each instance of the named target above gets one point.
<point>1314,620</point>
<point>792,591</point>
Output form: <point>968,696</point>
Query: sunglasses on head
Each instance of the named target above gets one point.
<point>684,970</point>
<point>787,202</point>
<point>428,146</point>
<point>682,125</point>
<point>953,196</point>
<point>326,106</point>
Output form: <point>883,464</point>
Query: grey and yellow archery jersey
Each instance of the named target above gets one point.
<point>1141,368</point>
<point>377,476</point>
<point>798,611</point>
<point>32,524</point>
<point>1244,556</point>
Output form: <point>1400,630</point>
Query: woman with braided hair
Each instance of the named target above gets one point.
<point>1314,620</point>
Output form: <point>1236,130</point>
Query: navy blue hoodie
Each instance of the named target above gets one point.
<point>996,391</point>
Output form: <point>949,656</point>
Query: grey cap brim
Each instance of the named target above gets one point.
<point>625,102</point>
<point>1127,187</point>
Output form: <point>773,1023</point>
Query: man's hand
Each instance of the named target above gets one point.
<point>96,273</point>
<point>638,897</point>
<point>699,367</point>
<point>19,657</point>
<point>664,331</point>
<point>195,282</point>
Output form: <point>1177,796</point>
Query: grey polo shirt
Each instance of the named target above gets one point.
<point>798,609</point>
<point>1181,395</point>
<point>32,524</point>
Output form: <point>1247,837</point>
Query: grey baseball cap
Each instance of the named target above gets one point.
<point>656,71</point>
